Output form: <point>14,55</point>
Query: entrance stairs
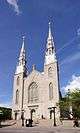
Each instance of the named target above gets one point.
<point>45,123</point>
<point>18,123</point>
<point>40,123</point>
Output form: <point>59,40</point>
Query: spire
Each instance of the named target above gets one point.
<point>50,49</point>
<point>22,49</point>
<point>50,37</point>
<point>23,38</point>
<point>22,56</point>
<point>21,67</point>
<point>50,42</point>
<point>49,34</point>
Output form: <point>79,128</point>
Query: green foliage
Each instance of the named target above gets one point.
<point>6,113</point>
<point>70,99</point>
<point>75,99</point>
<point>64,107</point>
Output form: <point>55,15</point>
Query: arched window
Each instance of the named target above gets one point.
<point>17,97</point>
<point>50,71</point>
<point>50,91</point>
<point>33,92</point>
<point>18,80</point>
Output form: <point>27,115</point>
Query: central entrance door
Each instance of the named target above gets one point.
<point>33,114</point>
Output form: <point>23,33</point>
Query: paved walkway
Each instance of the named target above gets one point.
<point>40,130</point>
<point>15,127</point>
<point>41,123</point>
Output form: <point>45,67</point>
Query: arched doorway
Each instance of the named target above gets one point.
<point>33,114</point>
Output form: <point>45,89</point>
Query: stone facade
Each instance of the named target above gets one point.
<point>35,95</point>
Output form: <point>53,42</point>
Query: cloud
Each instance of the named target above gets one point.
<point>71,58</point>
<point>14,4</point>
<point>78,32</point>
<point>6,104</point>
<point>66,44</point>
<point>73,84</point>
<point>70,42</point>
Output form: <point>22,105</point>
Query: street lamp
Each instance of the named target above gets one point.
<point>52,109</point>
<point>70,105</point>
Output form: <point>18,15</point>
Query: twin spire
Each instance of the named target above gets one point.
<point>50,43</point>
<point>50,52</point>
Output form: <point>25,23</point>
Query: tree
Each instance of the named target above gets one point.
<point>6,113</point>
<point>64,107</point>
<point>75,99</point>
<point>71,99</point>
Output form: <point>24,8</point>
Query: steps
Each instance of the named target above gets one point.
<point>46,123</point>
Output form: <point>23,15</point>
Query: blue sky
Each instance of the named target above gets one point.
<point>30,18</point>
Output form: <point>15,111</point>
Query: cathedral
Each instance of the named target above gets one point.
<point>36,94</point>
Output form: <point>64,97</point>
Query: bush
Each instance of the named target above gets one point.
<point>6,113</point>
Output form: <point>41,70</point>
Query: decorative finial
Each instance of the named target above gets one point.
<point>23,42</point>
<point>23,37</point>
<point>33,67</point>
<point>49,34</point>
<point>49,23</point>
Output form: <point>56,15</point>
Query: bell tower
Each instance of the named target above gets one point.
<point>51,75</point>
<point>50,62</point>
<point>18,85</point>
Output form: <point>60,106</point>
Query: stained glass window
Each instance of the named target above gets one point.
<point>33,92</point>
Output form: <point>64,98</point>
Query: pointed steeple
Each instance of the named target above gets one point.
<point>50,49</point>
<point>50,42</point>
<point>21,67</point>
<point>50,34</point>
<point>22,49</point>
<point>22,57</point>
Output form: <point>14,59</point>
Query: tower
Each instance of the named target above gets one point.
<point>50,48</point>
<point>18,85</point>
<point>52,76</point>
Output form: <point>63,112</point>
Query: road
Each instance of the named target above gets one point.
<point>40,130</point>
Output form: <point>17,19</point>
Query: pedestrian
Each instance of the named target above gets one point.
<point>30,122</point>
<point>76,124</point>
<point>71,116</point>
<point>42,117</point>
<point>27,122</point>
<point>22,118</point>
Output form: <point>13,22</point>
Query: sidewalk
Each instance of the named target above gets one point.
<point>42,123</point>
